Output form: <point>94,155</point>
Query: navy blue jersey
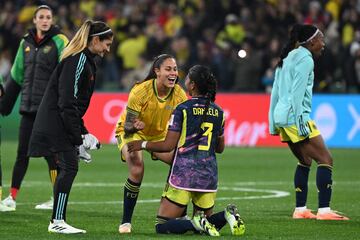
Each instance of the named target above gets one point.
<point>194,167</point>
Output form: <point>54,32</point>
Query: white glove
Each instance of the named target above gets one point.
<point>84,155</point>
<point>90,142</point>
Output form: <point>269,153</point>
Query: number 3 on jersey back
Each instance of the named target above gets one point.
<point>208,133</point>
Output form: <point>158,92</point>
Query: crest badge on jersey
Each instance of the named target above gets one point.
<point>47,49</point>
<point>27,49</point>
<point>168,107</point>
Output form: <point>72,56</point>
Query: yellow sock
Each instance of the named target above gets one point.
<point>53,175</point>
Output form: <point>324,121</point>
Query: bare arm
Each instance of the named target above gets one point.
<point>167,145</point>
<point>165,157</point>
<point>220,146</point>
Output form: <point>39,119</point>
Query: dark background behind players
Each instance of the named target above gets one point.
<point>203,32</point>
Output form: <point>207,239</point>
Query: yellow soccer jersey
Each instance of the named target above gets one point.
<point>155,112</point>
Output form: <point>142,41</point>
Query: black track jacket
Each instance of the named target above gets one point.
<point>59,125</point>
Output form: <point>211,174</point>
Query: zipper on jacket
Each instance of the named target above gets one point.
<point>32,79</point>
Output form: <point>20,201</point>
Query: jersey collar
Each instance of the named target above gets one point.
<point>157,95</point>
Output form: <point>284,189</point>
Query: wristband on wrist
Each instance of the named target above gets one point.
<point>143,144</point>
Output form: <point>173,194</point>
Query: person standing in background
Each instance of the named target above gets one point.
<point>289,117</point>
<point>36,59</point>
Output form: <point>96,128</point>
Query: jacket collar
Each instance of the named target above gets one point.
<point>90,56</point>
<point>305,50</point>
<point>31,35</point>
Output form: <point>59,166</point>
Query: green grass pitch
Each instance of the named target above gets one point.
<point>257,180</point>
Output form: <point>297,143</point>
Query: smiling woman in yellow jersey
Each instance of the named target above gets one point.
<point>153,110</point>
<point>150,105</point>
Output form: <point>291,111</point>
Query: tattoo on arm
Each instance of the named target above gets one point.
<point>131,115</point>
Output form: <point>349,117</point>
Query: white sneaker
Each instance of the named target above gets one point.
<point>60,226</point>
<point>4,208</point>
<point>125,228</point>
<point>9,202</point>
<point>46,205</point>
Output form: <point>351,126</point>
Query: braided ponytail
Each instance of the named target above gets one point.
<point>299,35</point>
<point>206,84</point>
<point>291,44</point>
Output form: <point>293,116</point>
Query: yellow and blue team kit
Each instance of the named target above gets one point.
<point>154,111</point>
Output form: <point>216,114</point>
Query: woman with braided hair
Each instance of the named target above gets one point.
<point>289,117</point>
<point>196,132</point>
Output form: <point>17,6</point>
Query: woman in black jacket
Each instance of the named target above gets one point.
<point>59,127</point>
<point>37,56</point>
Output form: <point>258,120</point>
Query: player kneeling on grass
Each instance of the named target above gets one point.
<point>195,131</point>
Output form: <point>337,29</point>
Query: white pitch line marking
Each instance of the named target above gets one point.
<point>269,193</point>
<point>161,185</point>
<point>272,194</point>
<point>234,186</point>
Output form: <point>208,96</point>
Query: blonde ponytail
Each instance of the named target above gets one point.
<point>79,42</point>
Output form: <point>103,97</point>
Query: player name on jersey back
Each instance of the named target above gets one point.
<point>210,111</point>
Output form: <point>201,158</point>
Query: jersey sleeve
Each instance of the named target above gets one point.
<point>135,102</point>
<point>301,76</point>
<point>176,120</point>
<point>222,128</point>
<point>273,101</point>
<point>12,87</point>
<point>17,69</point>
<point>60,41</point>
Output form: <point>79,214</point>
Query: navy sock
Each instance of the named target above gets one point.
<point>324,184</point>
<point>218,219</point>
<point>301,184</point>
<point>175,226</point>
<point>184,213</point>
<point>131,192</point>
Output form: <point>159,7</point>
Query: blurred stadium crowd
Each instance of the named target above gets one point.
<point>209,32</point>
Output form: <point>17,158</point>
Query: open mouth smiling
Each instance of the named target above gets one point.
<point>172,79</point>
